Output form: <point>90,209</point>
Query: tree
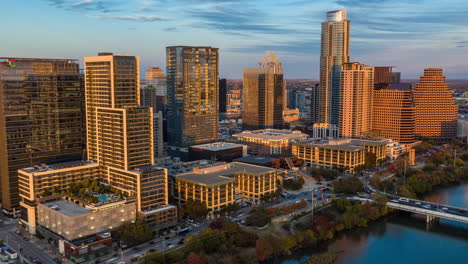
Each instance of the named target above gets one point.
<point>263,249</point>
<point>193,258</point>
<point>380,199</point>
<point>350,185</point>
<point>370,160</point>
<point>196,209</point>
<point>342,203</point>
<point>134,234</point>
<point>259,216</point>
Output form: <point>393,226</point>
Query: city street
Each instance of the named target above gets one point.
<point>31,248</point>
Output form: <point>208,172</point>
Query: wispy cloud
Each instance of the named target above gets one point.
<point>82,3</point>
<point>137,18</point>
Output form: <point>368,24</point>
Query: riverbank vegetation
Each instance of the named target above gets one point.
<point>442,167</point>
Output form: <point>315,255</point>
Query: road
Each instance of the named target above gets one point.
<point>15,241</point>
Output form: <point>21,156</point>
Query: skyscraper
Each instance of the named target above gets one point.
<point>435,107</point>
<point>154,90</point>
<point>263,94</point>
<point>192,86</point>
<point>222,95</point>
<point>334,52</point>
<point>393,113</point>
<point>41,117</point>
<point>357,84</point>
<point>382,77</point>
<point>314,104</point>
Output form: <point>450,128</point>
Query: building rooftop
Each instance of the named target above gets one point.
<point>67,207</point>
<point>345,144</point>
<point>256,159</point>
<point>272,134</point>
<point>216,146</point>
<point>221,172</point>
<point>58,166</point>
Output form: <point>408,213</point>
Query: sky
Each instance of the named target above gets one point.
<point>411,35</point>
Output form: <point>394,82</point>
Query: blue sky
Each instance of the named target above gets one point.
<point>410,35</point>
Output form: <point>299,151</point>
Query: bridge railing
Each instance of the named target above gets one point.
<point>428,212</point>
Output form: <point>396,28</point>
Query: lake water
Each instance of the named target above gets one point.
<point>404,238</point>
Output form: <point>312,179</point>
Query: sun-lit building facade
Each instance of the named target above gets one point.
<point>436,112</point>
<point>192,86</point>
<point>41,118</point>
<point>357,84</point>
<point>263,94</point>
<point>334,52</point>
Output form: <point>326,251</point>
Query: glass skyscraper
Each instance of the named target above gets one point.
<point>263,94</point>
<point>192,89</point>
<point>41,117</point>
<point>334,52</point>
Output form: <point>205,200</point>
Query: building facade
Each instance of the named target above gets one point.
<point>220,151</point>
<point>263,95</point>
<point>435,109</point>
<point>192,85</point>
<point>41,118</point>
<point>222,95</point>
<point>221,184</point>
<point>270,142</point>
<point>334,52</point>
<point>357,84</point>
<point>342,154</point>
<point>393,114</point>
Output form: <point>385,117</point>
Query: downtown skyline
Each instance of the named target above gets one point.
<point>409,36</point>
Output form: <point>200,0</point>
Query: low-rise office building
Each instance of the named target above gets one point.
<point>345,154</point>
<point>220,184</point>
<point>270,142</point>
<point>220,151</point>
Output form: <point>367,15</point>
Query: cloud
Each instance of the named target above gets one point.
<point>170,29</point>
<point>57,3</point>
<point>82,3</point>
<point>137,18</point>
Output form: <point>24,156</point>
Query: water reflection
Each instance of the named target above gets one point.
<point>404,239</point>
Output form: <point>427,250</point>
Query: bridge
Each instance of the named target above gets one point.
<point>432,211</point>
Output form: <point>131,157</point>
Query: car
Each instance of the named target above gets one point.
<point>404,199</point>
<point>394,201</point>
<point>167,238</point>
<point>427,206</point>
<point>135,248</point>
<point>17,232</point>
<point>170,245</point>
<point>418,203</point>
<point>444,208</point>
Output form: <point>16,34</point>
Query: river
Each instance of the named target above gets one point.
<point>404,238</point>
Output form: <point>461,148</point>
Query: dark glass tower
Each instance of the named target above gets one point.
<point>41,117</point>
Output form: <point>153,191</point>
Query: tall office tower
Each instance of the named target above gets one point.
<point>435,107</point>
<point>396,77</point>
<point>334,52</point>
<point>393,113</point>
<point>192,86</point>
<point>314,104</point>
<point>158,135</point>
<point>382,77</point>
<point>263,94</point>
<point>154,92</point>
<point>222,95</point>
<point>357,84</point>
<point>41,117</point>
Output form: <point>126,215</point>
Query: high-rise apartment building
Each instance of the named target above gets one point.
<point>263,94</point>
<point>222,95</point>
<point>382,76</point>
<point>315,104</point>
<point>154,90</point>
<point>41,117</point>
<point>393,114</point>
<point>334,52</point>
<point>192,86</point>
<point>435,107</point>
<point>120,143</point>
<point>357,84</point>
